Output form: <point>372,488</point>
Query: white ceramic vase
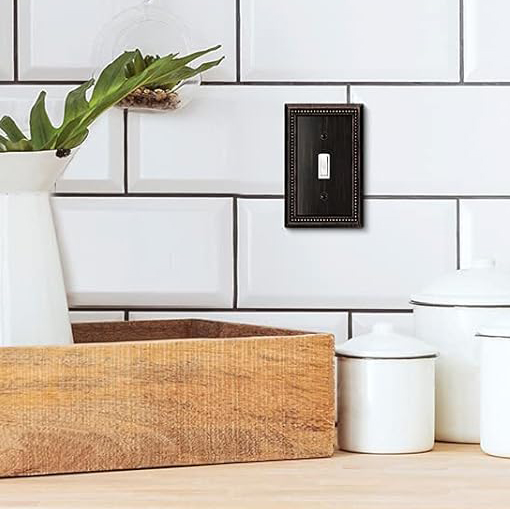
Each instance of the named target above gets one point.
<point>33,304</point>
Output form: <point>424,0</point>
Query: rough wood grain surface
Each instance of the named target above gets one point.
<point>105,403</point>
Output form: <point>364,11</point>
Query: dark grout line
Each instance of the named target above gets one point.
<point>238,41</point>
<point>461,41</point>
<point>359,83</point>
<point>406,310</point>
<point>348,94</point>
<point>15,40</point>
<point>125,148</point>
<point>241,196</point>
<point>349,325</point>
<point>293,83</point>
<point>170,309</point>
<point>220,83</point>
<point>40,82</point>
<point>170,195</point>
<point>126,315</point>
<point>457,234</point>
<point>484,197</point>
<point>436,197</point>
<point>276,83</point>
<point>409,197</point>
<point>235,236</point>
<point>261,196</point>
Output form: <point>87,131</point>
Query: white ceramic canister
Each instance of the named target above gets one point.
<point>447,315</point>
<point>385,393</point>
<point>495,390</point>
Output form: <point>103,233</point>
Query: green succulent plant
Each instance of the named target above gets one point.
<point>141,62</point>
<point>121,77</point>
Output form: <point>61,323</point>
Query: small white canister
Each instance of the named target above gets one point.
<point>385,393</point>
<point>495,390</point>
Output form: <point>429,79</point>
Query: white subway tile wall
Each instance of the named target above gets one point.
<point>484,232</point>
<point>99,163</point>
<point>96,316</point>
<point>487,40</point>
<point>61,40</point>
<point>230,140</point>
<point>182,213</point>
<point>405,243</point>
<point>6,41</point>
<point>146,251</point>
<point>361,40</point>
<point>436,140</point>
<point>362,323</point>
<point>98,167</point>
<point>335,323</point>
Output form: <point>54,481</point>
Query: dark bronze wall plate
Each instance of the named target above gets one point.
<point>323,161</point>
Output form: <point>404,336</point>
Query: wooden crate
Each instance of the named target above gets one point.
<point>162,393</point>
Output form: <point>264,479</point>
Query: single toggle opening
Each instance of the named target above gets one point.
<point>323,166</point>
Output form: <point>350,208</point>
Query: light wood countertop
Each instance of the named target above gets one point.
<point>451,476</point>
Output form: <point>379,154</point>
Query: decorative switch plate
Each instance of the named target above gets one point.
<point>323,158</point>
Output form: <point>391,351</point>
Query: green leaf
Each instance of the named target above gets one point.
<point>77,139</point>
<point>3,143</point>
<point>76,102</point>
<point>19,146</point>
<point>173,78</point>
<point>65,132</point>
<point>166,65</point>
<point>111,78</point>
<point>124,75</point>
<point>130,70</point>
<point>41,129</point>
<point>72,135</point>
<point>111,94</point>
<point>10,128</point>
<point>138,63</point>
<point>76,105</point>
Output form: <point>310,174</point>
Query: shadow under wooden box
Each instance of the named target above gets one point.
<point>162,393</point>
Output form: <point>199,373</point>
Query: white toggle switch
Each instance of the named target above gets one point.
<point>323,167</point>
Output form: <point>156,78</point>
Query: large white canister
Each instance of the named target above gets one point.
<point>495,390</point>
<point>385,393</point>
<point>447,314</point>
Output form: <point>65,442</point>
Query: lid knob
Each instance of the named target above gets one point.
<point>483,263</point>
<point>382,328</point>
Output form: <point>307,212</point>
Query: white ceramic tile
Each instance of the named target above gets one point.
<point>99,164</point>
<point>336,323</point>
<point>484,232</point>
<point>6,40</point>
<point>486,40</point>
<point>96,316</point>
<point>146,251</point>
<point>231,139</point>
<point>58,38</point>
<point>362,323</point>
<point>404,244</point>
<point>361,40</point>
<point>211,23</point>
<point>98,167</point>
<point>436,140</point>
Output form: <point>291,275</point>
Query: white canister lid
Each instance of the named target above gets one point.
<point>384,343</point>
<point>479,285</point>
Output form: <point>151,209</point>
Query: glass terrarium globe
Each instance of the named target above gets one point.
<point>154,31</point>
